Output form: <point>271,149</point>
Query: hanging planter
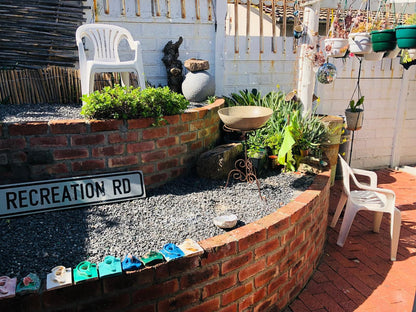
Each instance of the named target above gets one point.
<point>360,43</point>
<point>384,40</point>
<point>406,36</point>
<point>336,47</point>
<point>354,119</point>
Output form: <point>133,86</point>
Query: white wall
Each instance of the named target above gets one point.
<point>388,136</point>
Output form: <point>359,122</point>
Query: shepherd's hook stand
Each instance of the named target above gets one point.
<point>243,167</point>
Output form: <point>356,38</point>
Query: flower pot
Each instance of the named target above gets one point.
<point>383,40</point>
<point>406,36</point>
<point>336,47</point>
<point>354,120</point>
<point>360,43</point>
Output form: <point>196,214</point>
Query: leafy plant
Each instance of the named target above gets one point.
<point>354,106</point>
<point>128,103</point>
<point>411,20</point>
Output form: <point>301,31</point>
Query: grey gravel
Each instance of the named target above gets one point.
<point>181,209</point>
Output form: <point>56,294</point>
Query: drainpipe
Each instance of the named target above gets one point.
<point>399,119</point>
<point>306,83</point>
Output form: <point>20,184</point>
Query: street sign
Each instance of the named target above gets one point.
<point>34,197</point>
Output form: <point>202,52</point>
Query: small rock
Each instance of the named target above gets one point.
<point>194,65</point>
<point>225,221</point>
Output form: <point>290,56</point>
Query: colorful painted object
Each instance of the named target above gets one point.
<point>29,284</point>
<point>152,258</point>
<point>109,267</point>
<point>191,248</point>
<point>7,287</point>
<point>59,277</point>
<point>85,270</point>
<point>171,252</point>
<point>131,263</point>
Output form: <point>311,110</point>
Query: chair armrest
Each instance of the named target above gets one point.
<point>81,53</point>
<point>136,46</point>
<point>372,175</point>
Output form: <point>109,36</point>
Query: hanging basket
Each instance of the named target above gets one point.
<point>360,43</point>
<point>406,36</point>
<point>336,47</point>
<point>354,120</point>
<point>383,40</point>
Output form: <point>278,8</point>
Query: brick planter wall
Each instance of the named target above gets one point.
<point>259,267</point>
<point>64,148</point>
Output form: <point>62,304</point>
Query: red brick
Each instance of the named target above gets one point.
<point>177,150</point>
<point>277,256</point>
<point>179,301</point>
<point>170,141</point>
<point>105,125</point>
<point>48,141</point>
<point>200,276</point>
<point>188,137</point>
<point>308,197</point>
<point>207,306</point>
<point>155,291</point>
<point>18,157</point>
<point>185,264</point>
<point>172,120</point>
<point>277,282</point>
<point>252,299</point>
<point>189,116</point>
<point>126,281</point>
<point>109,150</point>
<point>54,169</point>
<point>236,262</point>
<point>219,286</point>
<point>263,306</point>
<point>236,293</point>
<point>203,133</point>
<point>267,247</point>
<point>297,241</point>
<point>88,165</point>
<point>171,163</point>
<point>122,137</point>
<point>155,179</point>
<point>176,172</point>
<point>67,126</point>
<point>153,156</point>
<point>265,277</point>
<point>249,235</point>
<point>230,308</point>
<point>218,247</point>
<point>109,303</point>
<point>1,129</point>
<point>29,128</point>
<point>197,145</point>
<point>70,154</point>
<point>88,139</point>
<point>15,144</point>
<point>251,270</point>
<point>123,161</point>
<point>154,133</point>
<point>140,123</point>
<point>177,129</point>
<point>147,168</point>
<point>146,146</point>
<point>197,125</point>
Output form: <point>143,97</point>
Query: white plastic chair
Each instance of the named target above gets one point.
<point>367,197</point>
<point>106,39</point>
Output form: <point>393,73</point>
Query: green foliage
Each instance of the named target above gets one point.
<point>129,103</point>
<point>355,105</point>
<point>287,132</point>
<point>411,20</point>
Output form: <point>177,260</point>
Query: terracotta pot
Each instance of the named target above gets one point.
<point>354,120</point>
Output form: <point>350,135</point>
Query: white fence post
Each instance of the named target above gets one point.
<point>220,14</point>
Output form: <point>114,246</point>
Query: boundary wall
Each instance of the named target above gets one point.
<point>259,267</point>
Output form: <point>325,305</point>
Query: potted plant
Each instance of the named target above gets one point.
<point>406,34</point>
<point>354,115</point>
<point>336,45</point>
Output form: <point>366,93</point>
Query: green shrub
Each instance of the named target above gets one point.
<point>130,103</point>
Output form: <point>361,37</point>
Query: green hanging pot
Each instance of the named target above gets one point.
<point>383,40</point>
<point>406,36</point>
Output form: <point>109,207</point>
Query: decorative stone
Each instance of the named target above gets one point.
<point>7,287</point>
<point>194,65</point>
<point>152,257</point>
<point>171,252</point>
<point>111,266</point>
<point>59,277</point>
<point>131,263</point>
<point>29,284</point>
<point>226,221</point>
<point>191,248</point>
<point>85,270</point>
<point>198,86</point>
<point>218,162</point>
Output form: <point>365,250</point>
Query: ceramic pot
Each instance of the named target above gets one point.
<point>354,120</point>
<point>298,31</point>
<point>406,36</point>
<point>360,43</point>
<point>383,40</point>
<point>336,47</point>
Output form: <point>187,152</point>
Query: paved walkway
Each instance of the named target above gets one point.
<point>360,276</point>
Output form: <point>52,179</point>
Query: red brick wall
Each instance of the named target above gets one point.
<point>259,267</point>
<point>64,148</point>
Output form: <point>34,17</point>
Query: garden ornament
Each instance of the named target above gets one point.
<point>59,277</point>
<point>131,263</point>
<point>152,258</point>
<point>109,267</point>
<point>29,284</point>
<point>7,287</point>
<point>171,251</point>
<point>85,270</point>
<point>173,66</point>
<point>191,248</point>
<point>327,73</point>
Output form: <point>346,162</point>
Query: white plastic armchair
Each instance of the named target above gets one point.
<point>367,197</point>
<point>106,40</point>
